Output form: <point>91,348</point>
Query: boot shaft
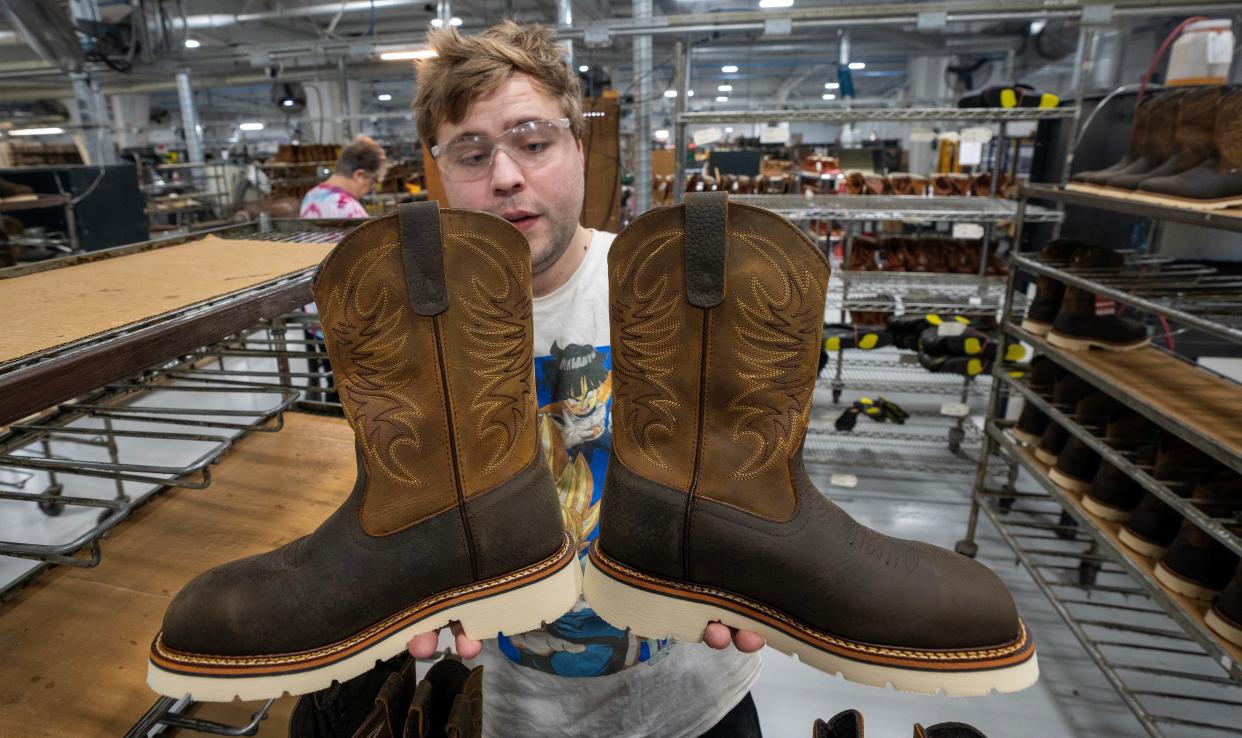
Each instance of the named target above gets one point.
<point>1165,112</point>
<point>717,311</point>
<point>1228,137</point>
<point>1196,126</point>
<point>427,319</point>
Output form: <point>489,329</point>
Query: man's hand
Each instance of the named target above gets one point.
<point>423,645</point>
<point>717,635</point>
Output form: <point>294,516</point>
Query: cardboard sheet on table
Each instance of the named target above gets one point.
<point>48,309</point>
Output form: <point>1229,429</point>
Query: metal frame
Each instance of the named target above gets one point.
<point>855,115</point>
<point>905,208</point>
<point>1153,279</point>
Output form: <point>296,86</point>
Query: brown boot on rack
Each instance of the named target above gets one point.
<point>1217,182</point>
<point>1066,393</point>
<point>1192,139</point>
<point>1225,617</point>
<point>1078,327</point>
<point>1153,525</point>
<point>1196,565</point>
<point>1140,141</point>
<point>1049,291</point>
<point>708,512</point>
<point>454,516</point>
<point>1114,494</point>
<point>1041,377</point>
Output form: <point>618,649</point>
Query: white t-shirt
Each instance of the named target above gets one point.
<point>580,676</point>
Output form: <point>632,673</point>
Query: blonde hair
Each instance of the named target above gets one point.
<point>467,68</point>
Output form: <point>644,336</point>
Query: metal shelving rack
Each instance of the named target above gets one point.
<point>1167,390</point>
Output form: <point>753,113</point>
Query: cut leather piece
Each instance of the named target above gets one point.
<point>422,257</point>
<point>707,225</point>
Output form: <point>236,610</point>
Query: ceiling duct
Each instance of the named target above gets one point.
<point>47,28</point>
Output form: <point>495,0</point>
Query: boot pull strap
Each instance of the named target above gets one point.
<point>422,258</point>
<point>706,216</point>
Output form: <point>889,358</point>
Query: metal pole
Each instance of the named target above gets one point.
<point>565,19</point>
<point>642,113</point>
<point>189,116</point>
<point>346,125</point>
<point>444,12</point>
<point>681,83</point>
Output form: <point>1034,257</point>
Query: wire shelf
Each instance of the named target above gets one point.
<point>1229,220</point>
<point>898,207</point>
<point>855,115</point>
<point>918,292</point>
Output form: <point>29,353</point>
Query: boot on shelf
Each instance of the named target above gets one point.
<point>1066,393</point>
<point>1217,182</point>
<point>1153,525</point>
<point>708,512</point>
<point>1158,146</point>
<point>1042,378</point>
<point>1140,132</point>
<point>1192,139</point>
<point>1078,327</point>
<point>454,516</point>
<point>1078,465</point>
<point>1048,291</point>
<point>1225,617</point>
<point>1114,494</point>
<point>1196,565</point>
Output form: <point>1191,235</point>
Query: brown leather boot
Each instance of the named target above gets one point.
<point>1140,130</point>
<point>1218,180</point>
<point>454,516</point>
<point>1192,138</point>
<point>1048,291</point>
<point>1160,145</point>
<point>708,513</point>
<point>1078,327</point>
<point>1225,617</point>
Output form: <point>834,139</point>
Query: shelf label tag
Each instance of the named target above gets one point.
<point>971,154</point>
<point>955,409</point>
<point>978,135</point>
<point>1219,48</point>
<point>774,135</point>
<point>708,136</point>
<point>843,480</point>
<point>967,230</point>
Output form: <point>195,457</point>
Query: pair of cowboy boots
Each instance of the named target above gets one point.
<point>708,512</point>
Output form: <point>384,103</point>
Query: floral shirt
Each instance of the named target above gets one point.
<point>329,201</point>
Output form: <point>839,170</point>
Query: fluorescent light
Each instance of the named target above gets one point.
<point>725,88</point>
<point>728,129</point>
<point>722,98</point>
<point>832,85</point>
<point>584,68</point>
<point>775,3</point>
<point>661,135</point>
<point>436,22</point>
<point>287,103</point>
<point>251,126</point>
<point>407,55</point>
<point>829,96</point>
<point>689,93</point>
<point>1037,26</point>
<point>858,65</point>
<point>192,43</point>
<point>729,69</point>
<point>670,93</point>
<point>383,98</point>
<point>36,131</point>
<point>454,21</point>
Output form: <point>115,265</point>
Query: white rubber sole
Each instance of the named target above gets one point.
<point>1138,545</point>
<point>1045,458</point>
<point>1024,438</point>
<point>1157,198</point>
<point>1071,343</point>
<point>1175,582</point>
<point>1100,510</point>
<point>1229,632</point>
<point>1036,328</point>
<point>515,611</point>
<point>1068,483</point>
<point>655,616</point>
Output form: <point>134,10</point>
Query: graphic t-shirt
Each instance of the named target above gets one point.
<point>631,686</point>
<point>329,201</point>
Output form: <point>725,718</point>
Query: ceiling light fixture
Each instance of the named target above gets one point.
<point>670,93</point>
<point>192,43</point>
<point>287,102</point>
<point>251,126</point>
<point>858,65</point>
<point>832,85</point>
<point>725,88</point>
<point>384,98</point>
<point>661,135</point>
<point>722,98</point>
<point>454,21</point>
<point>36,131</point>
<point>689,93</point>
<point>776,3</point>
<point>408,55</point>
<point>437,23</point>
<point>584,68</point>
<point>729,69</point>
<point>829,96</point>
